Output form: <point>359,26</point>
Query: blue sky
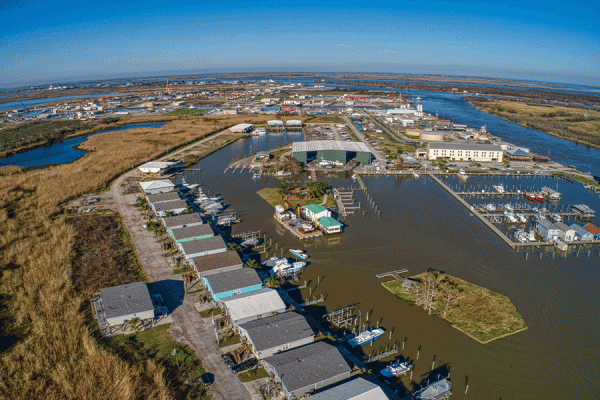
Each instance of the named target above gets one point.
<point>46,41</point>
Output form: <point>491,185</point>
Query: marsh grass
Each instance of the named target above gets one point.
<point>51,353</point>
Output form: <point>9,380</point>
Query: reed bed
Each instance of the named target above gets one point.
<point>47,349</point>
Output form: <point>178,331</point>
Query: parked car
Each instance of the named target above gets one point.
<point>245,365</point>
<point>228,360</point>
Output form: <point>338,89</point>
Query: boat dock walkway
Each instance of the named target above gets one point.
<point>340,203</point>
<point>475,212</point>
<point>395,273</point>
<point>295,232</point>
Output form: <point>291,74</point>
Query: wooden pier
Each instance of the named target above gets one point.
<point>299,235</point>
<point>395,274</point>
<point>342,317</point>
<point>383,354</point>
<point>475,212</point>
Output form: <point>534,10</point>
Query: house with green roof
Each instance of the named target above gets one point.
<point>329,225</point>
<point>313,212</point>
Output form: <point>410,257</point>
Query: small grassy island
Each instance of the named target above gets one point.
<point>295,195</point>
<point>480,313</point>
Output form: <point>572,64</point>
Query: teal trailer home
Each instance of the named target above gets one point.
<point>188,233</point>
<point>231,283</point>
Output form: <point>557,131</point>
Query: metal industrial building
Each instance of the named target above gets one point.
<point>331,150</point>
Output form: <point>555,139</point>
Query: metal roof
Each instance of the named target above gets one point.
<point>315,208</point>
<point>157,184</point>
<point>216,261</point>
<point>464,146</point>
<point>329,222</point>
<point>592,228</point>
<point>277,330</point>
<point>231,280</point>
<point>156,165</point>
<point>580,230</point>
<point>131,298</point>
<point>170,205</point>
<point>584,209</point>
<point>187,232</point>
<point>321,145</point>
<point>308,365</point>
<point>436,390</point>
<point>356,389</point>
<point>254,303</point>
<point>203,245</point>
<point>159,198</point>
<point>547,224</point>
<point>182,220</point>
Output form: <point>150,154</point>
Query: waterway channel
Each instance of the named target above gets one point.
<point>64,151</point>
<point>421,226</point>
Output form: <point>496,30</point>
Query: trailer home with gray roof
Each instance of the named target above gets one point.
<point>203,247</point>
<point>181,221</point>
<point>216,263</point>
<point>308,368</point>
<point>123,303</point>
<point>195,232</point>
<point>356,389</point>
<point>277,333</point>
<point>254,305</point>
<point>172,207</point>
<point>231,283</point>
<point>161,198</point>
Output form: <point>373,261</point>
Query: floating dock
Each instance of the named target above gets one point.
<point>295,232</point>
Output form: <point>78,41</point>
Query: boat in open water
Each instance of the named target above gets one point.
<point>299,253</point>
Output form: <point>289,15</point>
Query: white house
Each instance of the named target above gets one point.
<point>313,212</point>
<point>547,229</point>
<point>155,167</point>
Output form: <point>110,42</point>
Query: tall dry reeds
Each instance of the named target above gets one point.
<point>55,356</point>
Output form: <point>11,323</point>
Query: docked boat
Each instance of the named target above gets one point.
<point>490,207</point>
<point>462,174</point>
<point>522,218</point>
<point>510,217</point>
<point>530,196</point>
<point>284,268</point>
<point>416,174</point>
<point>299,253</point>
<point>521,236</point>
<point>396,369</point>
<point>508,208</point>
<point>499,189</point>
<point>366,336</point>
<point>531,236</point>
<point>539,197</point>
<point>556,217</point>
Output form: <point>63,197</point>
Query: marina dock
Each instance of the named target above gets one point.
<point>295,232</point>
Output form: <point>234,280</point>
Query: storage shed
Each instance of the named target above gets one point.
<point>155,167</point>
<point>203,247</point>
<point>277,333</point>
<point>120,304</point>
<point>169,207</point>
<point>307,368</point>
<point>157,186</point>
<point>161,198</point>
<point>254,305</point>
<point>231,283</point>
<point>216,263</point>
<point>356,389</point>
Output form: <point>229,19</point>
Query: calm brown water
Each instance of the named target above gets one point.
<point>421,227</point>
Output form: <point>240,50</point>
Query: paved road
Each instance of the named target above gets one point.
<point>187,327</point>
<point>378,154</point>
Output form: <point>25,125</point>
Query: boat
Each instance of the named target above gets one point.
<point>396,369</point>
<point>366,336</point>
<point>354,177</point>
<point>462,175</point>
<point>299,253</point>
<point>283,267</point>
<point>531,236</point>
<point>521,236</point>
<point>415,174</point>
<point>510,217</point>
<point>490,207</point>
<point>522,218</point>
<point>499,189</point>
<point>556,217</point>
<point>530,196</point>
<point>540,215</point>
<point>324,163</point>
<point>508,208</point>
<point>539,197</point>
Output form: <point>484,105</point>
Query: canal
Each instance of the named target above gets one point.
<point>420,227</point>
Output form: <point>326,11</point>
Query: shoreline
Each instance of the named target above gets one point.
<point>514,121</point>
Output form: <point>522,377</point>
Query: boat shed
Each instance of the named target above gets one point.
<point>157,186</point>
<point>277,333</point>
<point>437,390</point>
<point>172,207</point>
<point>203,247</point>
<point>356,389</point>
<point>330,225</point>
<point>308,368</point>
<point>254,305</point>
<point>581,233</point>
<point>275,123</point>
<point>120,304</point>
<point>231,283</point>
<point>593,229</point>
<point>155,167</point>
<point>547,229</point>
<point>160,198</point>
<point>584,211</point>
<point>242,128</point>
<point>331,150</point>
<point>181,221</point>
<point>566,233</point>
<point>195,232</point>
<point>216,263</point>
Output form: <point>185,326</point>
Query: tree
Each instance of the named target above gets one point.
<point>134,325</point>
<point>273,282</point>
<point>426,291</point>
<point>251,264</point>
<point>449,295</point>
<point>233,247</point>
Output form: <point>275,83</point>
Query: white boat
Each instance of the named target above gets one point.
<point>522,218</point>
<point>490,207</point>
<point>499,189</point>
<point>510,217</point>
<point>531,236</point>
<point>556,217</point>
<point>415,174</point>
<point>396,368</point>
<point>508,208</point>
<point>353,177</point>
<point>324,163</point>
<point>299,253</point>
<point>284,268</point>
<point>366,336</point>
<point>521,236</point>
<point>462,175</point>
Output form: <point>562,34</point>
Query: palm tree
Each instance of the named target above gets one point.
<point>134,325</point>
<point>251,264</point>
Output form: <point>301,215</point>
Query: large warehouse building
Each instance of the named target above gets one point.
<point>331,150</point>
<point>464,152</point>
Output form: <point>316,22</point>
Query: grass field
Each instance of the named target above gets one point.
<point>48,351</point>
<point>253,375</point>
<point>271,196</point>
<point>482,314</point>
<point>580,125</point>
<point>324,119</point>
